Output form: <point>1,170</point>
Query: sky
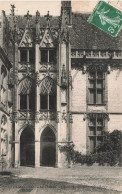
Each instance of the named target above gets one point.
<point>53,6</point>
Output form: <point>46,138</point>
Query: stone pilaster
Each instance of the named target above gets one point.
<point>37,102</point>
<point>69,100</point>
<point>62,103</point>
<point>17,147</point>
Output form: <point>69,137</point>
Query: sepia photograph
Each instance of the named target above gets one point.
<point>61,97</point>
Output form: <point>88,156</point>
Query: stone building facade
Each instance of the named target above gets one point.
<point>5,91</point>
<point>65,79</point>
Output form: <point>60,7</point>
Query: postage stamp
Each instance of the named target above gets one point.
<point>107,18</point>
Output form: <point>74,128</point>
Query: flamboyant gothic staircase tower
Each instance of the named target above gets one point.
<point>43,104</point>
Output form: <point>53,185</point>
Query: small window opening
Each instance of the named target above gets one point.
<point>44,56</point>
<point>23,56</point>
<point>44,102</point>
<point>51,56</point>
<point>52,102</point>
<point>32,101</point>
<point>23,101</point>
<point>31,56</point>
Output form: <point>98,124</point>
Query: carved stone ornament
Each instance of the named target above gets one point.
<point>48,116</point>
<point>37,17</point>
<point>37,117</point>
<point>48,67</point>
<point>66,117</point>
<point>96,115</point>
<point>64,37</point>
<point>26,86</point>
<point>64,81</point>
<point>26,115</point>
<point>48,18</point>
<point>70,80</point>
<point>27,40</point>
<point>3,120</point>
<point>47,40</point>
<point>26,68</point>
<point>96,54</point>
<point>70,117</point>
<point>87,67</point>
<point>14,117</point>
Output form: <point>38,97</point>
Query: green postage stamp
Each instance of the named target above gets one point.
<point>107,18</point>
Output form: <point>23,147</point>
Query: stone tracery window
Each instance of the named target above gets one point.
<point>27,94</point>
<point>96,87</point>
<point>48,94</point>
<point>4,135</point>
<point>3,85</point>
<point>96,127</point>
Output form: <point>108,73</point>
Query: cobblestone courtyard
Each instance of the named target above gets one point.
<point>78,180</point>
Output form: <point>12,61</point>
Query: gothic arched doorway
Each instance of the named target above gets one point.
<point>27,148</point>
<point>48,148</point>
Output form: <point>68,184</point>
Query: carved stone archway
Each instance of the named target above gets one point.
<point>48,147</point>
<point>27,147</point>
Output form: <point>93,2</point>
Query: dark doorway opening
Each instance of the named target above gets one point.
<point>27,148</point>
<point>48,148</point>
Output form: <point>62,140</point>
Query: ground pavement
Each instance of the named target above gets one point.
<point>76,180</point>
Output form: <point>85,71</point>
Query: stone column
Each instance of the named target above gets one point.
<point>69,106</point>
<point>37,153</point>
<point>37,103</point>
<point>63,94</point>
<point>17,154</point>
<point>62,107</point>
<point>17,147</point>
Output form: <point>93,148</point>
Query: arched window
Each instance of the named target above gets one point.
<point>48,94</point>
<point>27,94</point>
<point>3,85</point>
<point>4,135</point>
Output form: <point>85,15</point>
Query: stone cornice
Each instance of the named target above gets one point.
<point>96,54</point>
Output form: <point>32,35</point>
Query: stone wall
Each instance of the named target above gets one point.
<point>79,133</point>
<point>78,93</point>
<point>115,91</point>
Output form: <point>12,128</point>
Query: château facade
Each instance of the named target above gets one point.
<point>60,83</point>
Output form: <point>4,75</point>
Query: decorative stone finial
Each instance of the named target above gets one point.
<point>37,17</point>
<point>12,21</point>
<point>48,17</point>
<point>28,16</point>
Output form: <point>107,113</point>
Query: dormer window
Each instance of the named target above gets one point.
<point>27,56</point>
<point>44,56</point>
<point>31,56</point>
<point>48,56</point>
<point>23,56</point>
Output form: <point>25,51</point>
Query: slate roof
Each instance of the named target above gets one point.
<point>82,34</point>
<point>54,22</point>
<point>85,35</point>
